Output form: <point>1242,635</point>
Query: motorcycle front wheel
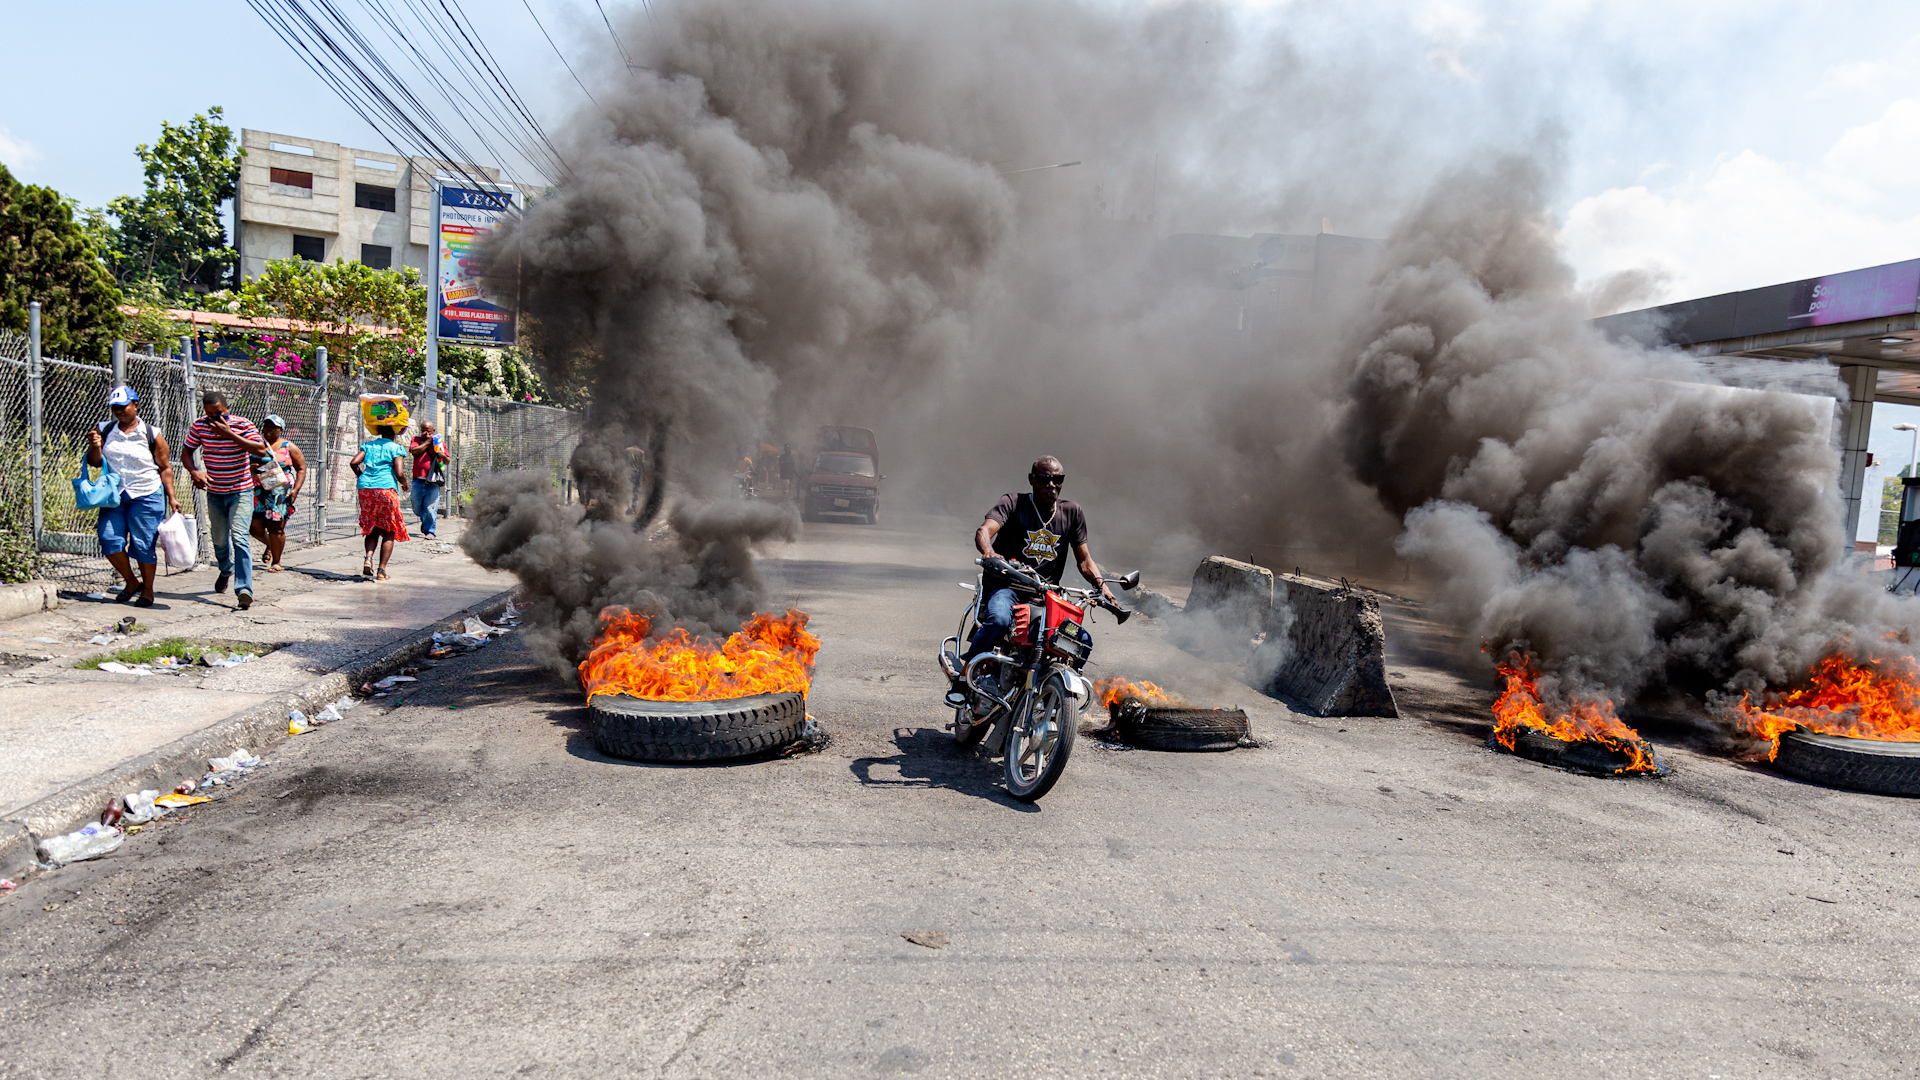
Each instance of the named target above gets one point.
<point>1040,742</point>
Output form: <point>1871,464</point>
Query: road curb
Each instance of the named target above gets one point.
<point>257,728</point>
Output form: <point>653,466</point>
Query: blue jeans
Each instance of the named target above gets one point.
<point>229,516</point>
<point>426,502</point>
<point>992,622</point>
<point>132,526</point>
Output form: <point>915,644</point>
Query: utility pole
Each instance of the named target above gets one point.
<point>429,402</point>
<point>35,383</point>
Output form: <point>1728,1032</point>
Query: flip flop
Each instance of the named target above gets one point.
<point>381,576</point>
<point>366,569</point>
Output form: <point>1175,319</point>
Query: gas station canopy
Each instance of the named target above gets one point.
<point>1864,318</point>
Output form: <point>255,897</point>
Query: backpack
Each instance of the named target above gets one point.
<point>107,425</point>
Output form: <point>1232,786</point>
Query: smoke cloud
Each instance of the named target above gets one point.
<point>806,213</point>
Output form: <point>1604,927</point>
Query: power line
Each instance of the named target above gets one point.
<point>624,57</point>
<point>330,43</point>
<point>563,59</point>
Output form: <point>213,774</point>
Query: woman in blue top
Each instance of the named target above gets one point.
<point>377,463</point>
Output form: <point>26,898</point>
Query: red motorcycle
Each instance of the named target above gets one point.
<point>1025,696</point>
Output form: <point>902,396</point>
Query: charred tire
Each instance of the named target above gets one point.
<point>628,727</point>
<point>1585,756</point>
<point>1883,768</point>
<point>1180,729</point>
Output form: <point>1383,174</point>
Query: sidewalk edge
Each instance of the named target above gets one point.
<point>257,728</point>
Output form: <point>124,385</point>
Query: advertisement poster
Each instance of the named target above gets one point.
<point>467,314</point>
<point>1872,293</point>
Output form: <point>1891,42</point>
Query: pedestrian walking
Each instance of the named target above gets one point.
<point>279,475</point>
<point>789,470</point>
<point>377,464</point>
<point>132,448</point>
<point>222,441</point>
<point>429,452</point>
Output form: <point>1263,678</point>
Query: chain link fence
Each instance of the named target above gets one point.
<point>43,534</point>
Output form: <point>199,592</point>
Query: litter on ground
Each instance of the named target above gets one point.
<point>88,842</point>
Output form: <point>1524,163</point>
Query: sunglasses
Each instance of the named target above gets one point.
<point>1058,479</point>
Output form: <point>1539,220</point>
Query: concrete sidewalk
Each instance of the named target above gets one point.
<point>60,726</point>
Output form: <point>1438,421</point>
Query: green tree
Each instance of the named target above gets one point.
<point>339,301</point>
<point>173,233</point>
<point>46,255</point>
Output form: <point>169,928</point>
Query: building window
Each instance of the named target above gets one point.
<point>288,182</point>
<point>310,248</point>
<point>368,197</point>
<point>378,256</point>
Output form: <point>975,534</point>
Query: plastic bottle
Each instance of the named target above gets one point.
<point>88,843</point>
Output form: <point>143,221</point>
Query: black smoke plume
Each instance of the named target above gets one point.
<point>803,213</point>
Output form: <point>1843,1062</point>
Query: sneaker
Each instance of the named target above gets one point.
<point>957,695</point>
<point>220,583</point>
<point>245,598</point>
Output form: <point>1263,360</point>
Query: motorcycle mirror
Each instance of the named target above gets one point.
<point>1130,581</point>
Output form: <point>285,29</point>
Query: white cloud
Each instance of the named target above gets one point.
<point>16,153</point>
<point>1756,221</point>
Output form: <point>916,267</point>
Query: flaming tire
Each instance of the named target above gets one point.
<point>1883,768</point>
<point>1582,756</point>
<point>639,730</point>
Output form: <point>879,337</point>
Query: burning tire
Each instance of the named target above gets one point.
<point>1883,768</point>
<point>1582,755</point>
<point>639,730</point>
<point>1152,728</point>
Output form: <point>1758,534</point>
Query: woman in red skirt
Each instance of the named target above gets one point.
<point>377,463</point>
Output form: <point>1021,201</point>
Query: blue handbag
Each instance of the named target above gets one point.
<point>101,494</point>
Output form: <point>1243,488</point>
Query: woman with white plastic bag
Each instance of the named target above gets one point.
<point>139,454</point>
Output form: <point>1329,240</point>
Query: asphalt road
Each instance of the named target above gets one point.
<point>458,885</point>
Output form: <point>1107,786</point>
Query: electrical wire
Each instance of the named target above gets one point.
<point>563,59</point>
<point>624,57</point>
<point>333,46</point>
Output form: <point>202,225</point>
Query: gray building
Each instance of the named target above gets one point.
<point>327,202</point>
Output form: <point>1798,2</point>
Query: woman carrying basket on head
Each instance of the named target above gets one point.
<point>382,478</point>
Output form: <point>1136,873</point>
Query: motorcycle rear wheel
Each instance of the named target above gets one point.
<point>1040,741</point>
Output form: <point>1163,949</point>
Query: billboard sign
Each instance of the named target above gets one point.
<point>468,314</point>
<point>1872,293</point>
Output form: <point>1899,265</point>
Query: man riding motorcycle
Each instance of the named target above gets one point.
<point>1036,530</point>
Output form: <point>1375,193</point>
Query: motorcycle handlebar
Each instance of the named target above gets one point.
<point>1027,577</point>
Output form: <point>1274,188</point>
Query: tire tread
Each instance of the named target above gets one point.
<point>624,730</point>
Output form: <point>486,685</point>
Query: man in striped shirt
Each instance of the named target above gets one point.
<point>219,442</point>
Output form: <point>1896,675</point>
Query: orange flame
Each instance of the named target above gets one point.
<point>1861,699</point>
<point>769,655</point>
<point>1584,719</point>
<point>1115,688</point>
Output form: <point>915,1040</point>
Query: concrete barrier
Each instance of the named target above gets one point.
<point>1320,644</point>
<point>1326,646</point>
<point>18,600</point>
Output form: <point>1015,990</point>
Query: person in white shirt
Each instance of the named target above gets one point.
<point>128,446</point>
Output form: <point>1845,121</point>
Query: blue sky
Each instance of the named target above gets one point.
<point>1725,143</point>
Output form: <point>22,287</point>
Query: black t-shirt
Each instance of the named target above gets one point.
<point>1025,538</point>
